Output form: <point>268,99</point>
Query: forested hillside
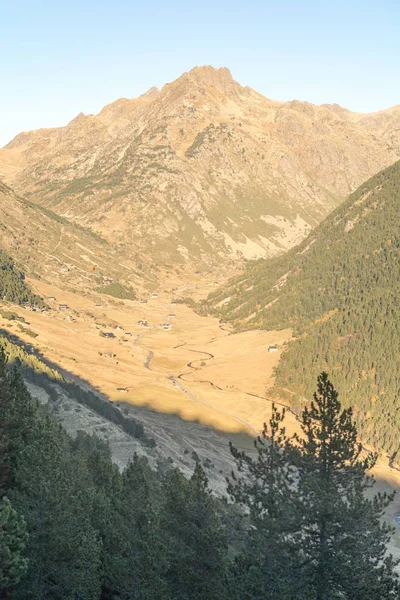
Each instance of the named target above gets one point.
<point>339,290</point>
<point>72,526</point>
<point>13,287</point>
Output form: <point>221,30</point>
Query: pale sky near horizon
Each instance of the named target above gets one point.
<point>61,58</point>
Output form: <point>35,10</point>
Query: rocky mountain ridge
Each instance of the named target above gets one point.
<point>203,170</point>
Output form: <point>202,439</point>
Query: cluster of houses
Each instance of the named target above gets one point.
<point>61,306</point>
<point>36,309</point>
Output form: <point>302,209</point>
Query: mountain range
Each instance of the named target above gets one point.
<point>203,170</point>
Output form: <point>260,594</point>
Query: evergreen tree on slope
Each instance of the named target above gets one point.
<point>325,531</point>
<point>343,540</point>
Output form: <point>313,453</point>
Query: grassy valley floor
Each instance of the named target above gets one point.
<point>196,370</point>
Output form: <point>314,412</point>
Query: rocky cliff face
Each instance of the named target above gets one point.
<point>202,170</point>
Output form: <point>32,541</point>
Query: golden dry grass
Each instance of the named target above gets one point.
<point>241,362</point>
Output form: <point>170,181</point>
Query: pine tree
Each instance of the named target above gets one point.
<point>195,538</point>
<point>343,542</point>
<point>266,567</point>
<point>5,401</point>
<point>314,533</point>
<point>63,549</point>
<point>17,415</point>
<point>21,418</point>
<point>13,537</point>
<point>135,558</point>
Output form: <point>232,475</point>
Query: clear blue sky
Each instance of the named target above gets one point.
<point>61,57</point>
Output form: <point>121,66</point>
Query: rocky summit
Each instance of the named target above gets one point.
<point>202,171</point>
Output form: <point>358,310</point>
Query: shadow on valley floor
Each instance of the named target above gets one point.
<point>154,434</point>
<point>163,438</point>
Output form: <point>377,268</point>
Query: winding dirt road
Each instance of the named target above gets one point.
<point>208,356</point>
<point>190,365</point>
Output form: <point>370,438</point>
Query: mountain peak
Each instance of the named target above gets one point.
<point>211,75</point>
<point>221,79</point>
<point>78,119</point>
<point>225,157</point>
<point>208,76</point>
<point>151,93</point>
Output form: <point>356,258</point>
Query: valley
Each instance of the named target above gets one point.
<point>200,349</point>
<point>147,365</point>
<point>193,386</point>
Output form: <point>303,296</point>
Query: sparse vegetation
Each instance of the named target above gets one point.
<point>188,301</point>
<point>11,315</point>
<point>118,290</point>
<point>38,372</point>
<point>27,331</point>
<point>207,135</point>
